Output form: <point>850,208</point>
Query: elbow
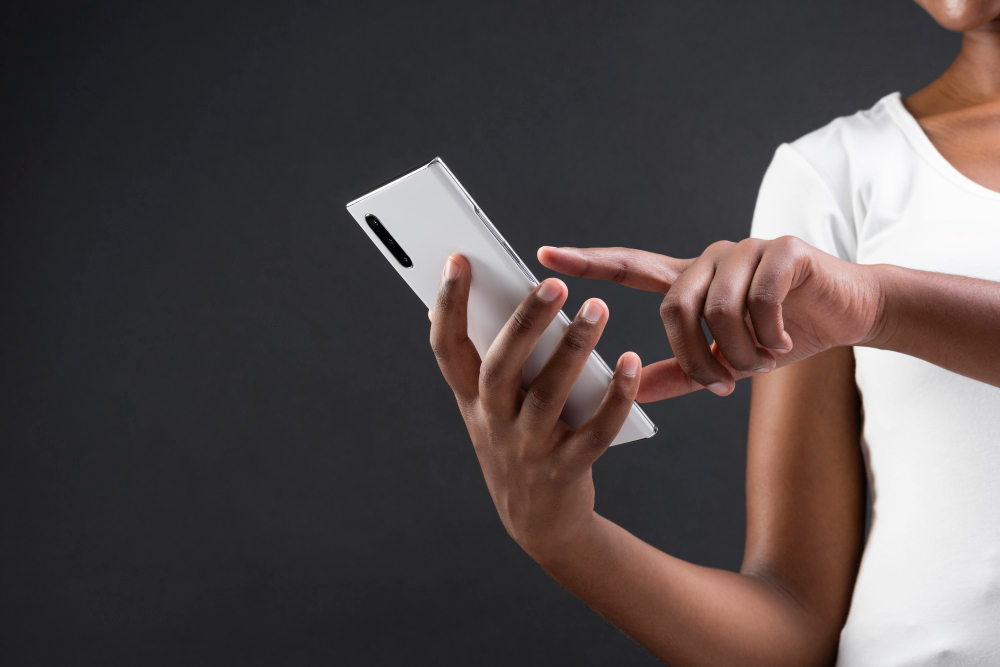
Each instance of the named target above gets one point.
<point>810,632</point>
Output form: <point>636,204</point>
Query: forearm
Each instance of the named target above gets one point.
<point>950,321</point>
<point>687,614</point>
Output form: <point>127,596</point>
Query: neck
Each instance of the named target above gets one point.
<point>975,75</point>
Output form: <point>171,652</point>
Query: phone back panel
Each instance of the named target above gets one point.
<point>431,216</point>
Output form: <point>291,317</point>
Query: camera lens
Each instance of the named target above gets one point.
<point>383,234</point>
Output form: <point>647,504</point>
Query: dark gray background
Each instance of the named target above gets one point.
<point>225,439</point>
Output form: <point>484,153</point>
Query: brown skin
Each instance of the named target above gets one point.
<point>779,310</point>
<point>960,110</point>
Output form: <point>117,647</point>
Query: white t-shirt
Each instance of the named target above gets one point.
<point>871,188</point>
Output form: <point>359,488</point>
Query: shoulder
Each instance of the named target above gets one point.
<point>857,132</point>
<point>847,152</point>
<point>818,187</point>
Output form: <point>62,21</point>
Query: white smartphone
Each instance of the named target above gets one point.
<point>422,217</point>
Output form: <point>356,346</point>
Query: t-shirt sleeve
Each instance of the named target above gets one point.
<point>795,200</point>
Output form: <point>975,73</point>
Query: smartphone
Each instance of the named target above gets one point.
<point>420,218</point>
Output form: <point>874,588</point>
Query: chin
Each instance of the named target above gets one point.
<point>962,15</point>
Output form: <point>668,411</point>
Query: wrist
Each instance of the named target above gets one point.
<point>886,280</point>
<point>557,554</point>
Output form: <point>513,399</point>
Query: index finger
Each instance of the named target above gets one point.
<point>633,268</point>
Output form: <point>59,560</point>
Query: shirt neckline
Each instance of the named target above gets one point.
<point>926,148</point>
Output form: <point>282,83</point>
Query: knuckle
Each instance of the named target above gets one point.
<point>723,312</point>
<point>574,342</point>
<point>789,244</point>
<point>597,436</point>
<point>761,298</point>
<point>720,246</point>
<point>674,304</point>
<point>588,269</point>
<point>540,399</point>
<point>521,321</point>
<point>687,302</point>
<point>668,308</point>
<point>621,272</point>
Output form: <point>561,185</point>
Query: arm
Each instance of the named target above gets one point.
<point>773,303</point>
<point>805,504</point>
<point>950,321</point>
<point>783,608</point>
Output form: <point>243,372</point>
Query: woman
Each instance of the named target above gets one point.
<point>873,220</point>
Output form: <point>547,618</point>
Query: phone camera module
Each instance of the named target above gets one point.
<point>383,234</point>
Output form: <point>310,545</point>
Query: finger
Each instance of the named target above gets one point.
<point>595,435</point>
<point>500,376</point>
<point>681,312</point>
<point>781,267</point>
<point>633,268</point>
<point>455,353</point>
<point>726,308</point>
<point>666,379</point>
<point>547,394</point>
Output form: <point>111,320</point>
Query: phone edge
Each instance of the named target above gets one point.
<point>503,243</point>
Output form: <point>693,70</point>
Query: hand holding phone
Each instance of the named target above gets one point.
<point>419,220</point>
<point>537,468</point>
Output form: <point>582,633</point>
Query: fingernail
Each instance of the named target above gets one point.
<point>718,388</point>
<point>630,364</point>
<point>592,310</point>
<point>549,290</point>
<point>450,269</point>
<point>766,366</point>
<point>786,341</point>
